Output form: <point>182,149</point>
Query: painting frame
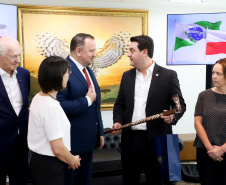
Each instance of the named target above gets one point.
<point>78,11</point>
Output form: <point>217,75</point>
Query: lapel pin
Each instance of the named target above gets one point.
<point>157,75</point>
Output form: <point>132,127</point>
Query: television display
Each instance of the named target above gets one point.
<point>196,39</point>
<point>8,20</point>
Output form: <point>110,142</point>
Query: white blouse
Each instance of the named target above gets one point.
<point>47,122</point>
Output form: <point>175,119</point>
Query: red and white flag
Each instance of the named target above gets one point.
<point>215,46</point>
<point>215,42</point>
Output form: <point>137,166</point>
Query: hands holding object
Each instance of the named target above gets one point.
<point>177,110</point>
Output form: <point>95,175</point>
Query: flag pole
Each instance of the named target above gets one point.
<point>174,35</point>
<point>205,44</point>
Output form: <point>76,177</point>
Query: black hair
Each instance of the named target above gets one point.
<point>51,72</point>
<point>144,42</point>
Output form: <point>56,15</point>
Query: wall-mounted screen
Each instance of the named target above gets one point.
<point>196,39</point>
<point>8,20</point>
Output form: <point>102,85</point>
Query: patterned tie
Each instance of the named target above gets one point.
<point>87,77</point>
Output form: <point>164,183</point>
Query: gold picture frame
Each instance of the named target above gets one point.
<point>65,22</point>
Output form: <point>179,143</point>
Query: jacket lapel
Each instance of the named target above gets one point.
<point>4,95</point>
<point>77,73</point>
<point>20,81</point>
<point>155,77</point>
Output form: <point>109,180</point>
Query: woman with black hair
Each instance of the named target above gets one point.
<point>49,127</point>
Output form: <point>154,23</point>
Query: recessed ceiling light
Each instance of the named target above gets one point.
<point>192,1</point>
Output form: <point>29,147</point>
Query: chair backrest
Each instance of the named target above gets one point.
<point>112,141</point>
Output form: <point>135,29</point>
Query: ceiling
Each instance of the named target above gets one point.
<point>210,3</point>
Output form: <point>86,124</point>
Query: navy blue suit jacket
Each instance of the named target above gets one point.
<point>86,122</point>
<point>10,122</point>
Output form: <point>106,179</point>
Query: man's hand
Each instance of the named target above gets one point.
<point>91,93</point>
<point>168,119</point>
<point>116,125</point>
<point>101,142</point>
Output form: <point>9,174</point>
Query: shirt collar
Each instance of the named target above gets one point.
<point>150,69</point>
<point>3,73</point>
<point>80,67</point>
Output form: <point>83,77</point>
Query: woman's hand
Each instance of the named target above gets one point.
<point>216,153</point>
<point>76,163</point>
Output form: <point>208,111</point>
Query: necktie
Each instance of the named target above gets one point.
<point>87,77</point>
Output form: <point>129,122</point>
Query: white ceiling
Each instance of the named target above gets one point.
<point>210,3</point>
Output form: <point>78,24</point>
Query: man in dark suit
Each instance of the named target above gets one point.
<point>14,91</point>
<point>81,102</point>
<point>144,91</point>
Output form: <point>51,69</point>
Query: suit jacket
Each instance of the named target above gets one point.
<point>10,122</point>
<point>164,85</point>
<point>86,122</point>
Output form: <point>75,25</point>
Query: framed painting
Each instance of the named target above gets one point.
<point>36,23</point>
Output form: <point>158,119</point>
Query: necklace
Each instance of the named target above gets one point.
<point>51,96</point>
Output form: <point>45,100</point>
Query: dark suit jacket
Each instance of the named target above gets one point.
<point>86,122</point>
<point>10,122</point>
<point>164,85</point>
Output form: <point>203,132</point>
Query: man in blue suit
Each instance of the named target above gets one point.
<point>14,91</point>
<point>81,102</point>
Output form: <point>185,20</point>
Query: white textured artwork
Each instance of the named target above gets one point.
<point>113,49</point>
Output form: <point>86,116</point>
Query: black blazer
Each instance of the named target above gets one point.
<point>10,122</point>
<point>164,85</point>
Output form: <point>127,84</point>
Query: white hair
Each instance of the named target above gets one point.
<point>4,42</point>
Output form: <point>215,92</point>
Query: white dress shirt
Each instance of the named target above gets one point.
<point>13,90</point>
<point>80,67</point>
<point>142,86</point>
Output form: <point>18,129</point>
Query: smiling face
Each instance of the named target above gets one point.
<point>11,59</point>
<point>87,52</point>
<point>218,76</point>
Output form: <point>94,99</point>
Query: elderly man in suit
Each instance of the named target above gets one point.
<point>81,103</point>
<point>144,91</point>
<point>14,91</point>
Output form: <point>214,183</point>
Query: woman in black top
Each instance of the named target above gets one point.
<point>210,124</point>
